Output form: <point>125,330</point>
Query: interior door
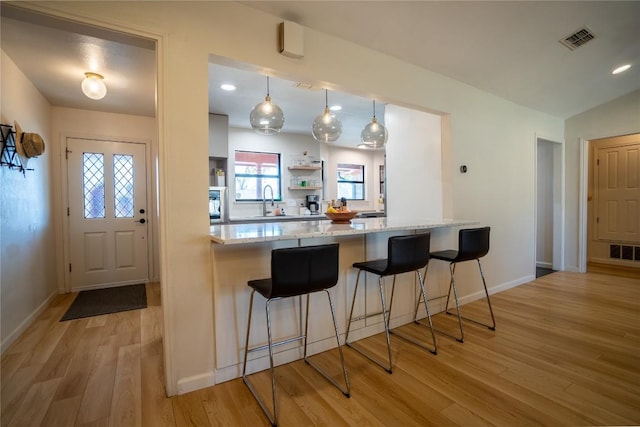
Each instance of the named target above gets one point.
<point>107,213</point>
<point>618,193</point>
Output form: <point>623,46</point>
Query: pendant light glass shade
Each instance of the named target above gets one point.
<point>93,86</point>
<point>326,127</point>
<point>266,118</point>
<point>374,134</point>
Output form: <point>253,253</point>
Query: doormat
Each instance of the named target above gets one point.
<point>105,301</point>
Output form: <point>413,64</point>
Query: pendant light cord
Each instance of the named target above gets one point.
<point>326,98</point>
<point>267,85</point>
<point>374,108</point>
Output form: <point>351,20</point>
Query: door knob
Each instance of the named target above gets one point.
<point>142,221</point>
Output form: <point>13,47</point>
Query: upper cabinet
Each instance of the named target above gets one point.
<point>218,136</point>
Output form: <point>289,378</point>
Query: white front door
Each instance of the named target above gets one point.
<point>107,213</point>
<point>618,193</point>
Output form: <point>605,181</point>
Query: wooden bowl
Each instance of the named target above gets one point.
<point>341,217</point>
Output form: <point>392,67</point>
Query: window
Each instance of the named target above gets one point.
<point>350,181</point>
<point>254,171</point>
<point>93,185</point>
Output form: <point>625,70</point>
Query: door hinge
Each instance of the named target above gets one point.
<point>68,211</point>
<point>598,162</point>
<point>69,267</point>
<point>598,220</point>
<point>66,153</point>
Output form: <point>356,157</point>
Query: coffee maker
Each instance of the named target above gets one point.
<point>313,204</point>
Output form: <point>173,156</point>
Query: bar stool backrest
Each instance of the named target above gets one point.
<point>473,243</point>
<point>407,253</point>
<point>303,270</point>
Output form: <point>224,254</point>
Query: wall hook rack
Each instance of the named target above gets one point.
<point>9,155</point>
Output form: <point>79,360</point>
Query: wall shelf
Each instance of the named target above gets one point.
<point>304,188</point>
<point>305,168</point>
<point>9,156</point>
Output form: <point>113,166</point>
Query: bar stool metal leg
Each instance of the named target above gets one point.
<point>345,390</point>
<point>386,326</point>
<point>452,286</point>
<point>272,415</point>
<point>422,297</point>
<point>491,326</point>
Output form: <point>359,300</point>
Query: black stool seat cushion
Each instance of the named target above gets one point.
<point>378,266</point>
<point>473,243</point>
<point>448,255</point>
<point>405,253</point>
<point>263,286</point>
<point>299,271</point>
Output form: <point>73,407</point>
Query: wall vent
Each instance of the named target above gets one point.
<point>627,252</point>
<point>578,38</point>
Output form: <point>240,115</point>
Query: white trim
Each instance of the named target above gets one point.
<point>558,261</point>
<point>541,264</point>
<point>161,43</point>
<point>65,204</point>
<point>616,261</point>
<point>195,382</point>
<point>15,334</point>
<point>582,206</point>
<point>108,285</point>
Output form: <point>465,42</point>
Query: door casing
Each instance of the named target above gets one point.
<point>65,201</point>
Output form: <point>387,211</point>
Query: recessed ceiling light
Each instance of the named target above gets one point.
<point>228,87</point>
<point>621,69</point>
<point>335,108</point>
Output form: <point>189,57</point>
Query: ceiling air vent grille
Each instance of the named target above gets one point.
<point>578,38</point>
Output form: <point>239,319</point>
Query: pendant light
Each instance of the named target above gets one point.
<point>326,127</point>
<point>93,86</point>
<point>266,117</point>
<point>374,135</point>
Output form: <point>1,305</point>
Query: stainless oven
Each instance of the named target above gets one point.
<point>218,209</point>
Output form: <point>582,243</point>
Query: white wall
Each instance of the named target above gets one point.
<point>27,247</point>
<point>493,136</point>
<point>618,117</point>
<point>414,164</point>
<point>69,122</point>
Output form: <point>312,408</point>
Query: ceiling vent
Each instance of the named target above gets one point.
<point>308,86</point>
<point>578,38</point>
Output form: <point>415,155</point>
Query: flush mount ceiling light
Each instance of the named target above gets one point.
<point>374,135</point>
<point>326,127</point>
<point>93,86</point>
<point>621,69</point>
<point>267,118</point>
<point>228,87</point>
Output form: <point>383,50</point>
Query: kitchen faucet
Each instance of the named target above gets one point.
<point>264,199</point>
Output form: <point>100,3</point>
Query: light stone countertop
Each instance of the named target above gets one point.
<point>227,234</point>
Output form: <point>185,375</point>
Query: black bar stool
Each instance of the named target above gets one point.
<point>473,244</point>
<point>404,254</point>
<point>295,272</point>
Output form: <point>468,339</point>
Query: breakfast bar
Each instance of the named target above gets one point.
<point>242,252</point>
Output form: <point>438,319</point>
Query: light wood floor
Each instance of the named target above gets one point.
<point>566,352</point>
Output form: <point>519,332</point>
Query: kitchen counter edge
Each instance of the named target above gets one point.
<point>226,234</point>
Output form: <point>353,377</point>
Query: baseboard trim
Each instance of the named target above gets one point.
<point>196,382</point>
<point>542,264</point>
<point>614,261</point>
<point>15,334</point>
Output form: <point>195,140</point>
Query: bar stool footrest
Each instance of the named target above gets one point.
<point>493,328</point>
<point>327,376</point>
<point>369,356</point>
<point>413,341</point>
<point>440,331</point>
<point>263,405</point>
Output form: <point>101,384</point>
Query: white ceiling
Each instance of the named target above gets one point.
<point>510,49</point>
